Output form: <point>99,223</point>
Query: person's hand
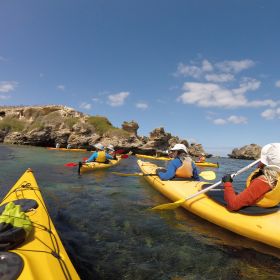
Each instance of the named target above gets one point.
<point>227,178</point>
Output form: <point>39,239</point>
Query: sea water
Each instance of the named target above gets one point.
<point>109,232</point>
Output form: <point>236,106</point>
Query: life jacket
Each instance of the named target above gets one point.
<point>271,198</point>
<point>101,157</point>
<point>185,170</point>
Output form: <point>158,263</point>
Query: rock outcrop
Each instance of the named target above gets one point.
<point>48,125</point>
<point>251,151</point>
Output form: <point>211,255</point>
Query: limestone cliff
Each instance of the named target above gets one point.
<point>48,125</point>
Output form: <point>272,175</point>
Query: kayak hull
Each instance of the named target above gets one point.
<point>38,250</point>
<point>202,164</point>
<point>262,228</point>
<point>91,166</point>
<point>67,150</point>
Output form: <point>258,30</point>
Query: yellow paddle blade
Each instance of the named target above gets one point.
<point>169,206</point>
<point>208,175</point>
<point>127,174</point>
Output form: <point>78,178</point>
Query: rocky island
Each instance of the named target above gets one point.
<point>47,125</point>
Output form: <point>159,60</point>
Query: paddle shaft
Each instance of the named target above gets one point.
<point>218,183</point>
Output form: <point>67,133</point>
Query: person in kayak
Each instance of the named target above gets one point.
<point>262,186</point>
<point>111,151</point>
<point>99,155</point>
<point>181,166</point>
<point>201,158</point>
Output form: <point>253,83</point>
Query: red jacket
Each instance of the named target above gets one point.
<point>249,196</point>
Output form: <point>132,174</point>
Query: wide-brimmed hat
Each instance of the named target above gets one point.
<point>178,147</point>
<point>111,147</point>
<point>99,146</point>
<point>270,154</point>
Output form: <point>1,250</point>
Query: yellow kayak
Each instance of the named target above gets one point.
<point>91,166</point>
<point>207,164</point>
<point>42,255</point>
<point>152,157</point>
<point>68,150</point>
<point>252,222</point>
<point>202,164</point>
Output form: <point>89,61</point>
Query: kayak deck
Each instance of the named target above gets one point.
<point>91,166</point>
<point>264,228</point>
<point>202,164</point>
<point>43,253</point>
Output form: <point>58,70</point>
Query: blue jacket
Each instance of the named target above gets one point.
<point>173,165</point>
<point>93,157</point>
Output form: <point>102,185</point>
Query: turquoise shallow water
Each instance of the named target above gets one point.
<point>109,233</point>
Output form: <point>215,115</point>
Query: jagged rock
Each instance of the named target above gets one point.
<point>158,140</point>
<point>130,127</point>
<point>196,150</point>
<point>251,151</point>
<point>15,138</point>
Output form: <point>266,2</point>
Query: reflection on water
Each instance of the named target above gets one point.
<point>110,233</point>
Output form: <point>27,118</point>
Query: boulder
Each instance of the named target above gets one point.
<point>251,151</point>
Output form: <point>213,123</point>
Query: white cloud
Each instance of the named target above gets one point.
<point>246,85</point>
<point>86,106</point>
<point>141,105</point>
<point>214,95</point>
<point>237,119</point>
<point>2,58</point>
<point>3,97</point>
<point>8,86</point>
<point>41,75</point>
<point>277,83</point>
<point>221,71</point>
<point>117,99</point>
<point>219,78</point>
<point>96,100</point>
<point>232,66</point>
<point>271,114</point>
<point>60,87</point>
<point>219,121</point>
<point>231,119</point>
<point>186,70</point>
<point>206,66</point>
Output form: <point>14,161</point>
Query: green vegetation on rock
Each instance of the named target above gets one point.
<point>102,126</point>
<point>11,124</point>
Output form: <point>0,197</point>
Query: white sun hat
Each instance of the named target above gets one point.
<point>270,154</point>
<point>111,147</point>
<point>99,146</point>
<point>178,147</point>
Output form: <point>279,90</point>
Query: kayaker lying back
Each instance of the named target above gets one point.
<point>99,155</point>
<point>181,166</point>
<point>262,186</point>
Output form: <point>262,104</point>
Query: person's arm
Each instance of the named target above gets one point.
<point>171,170</point>
<point>109,156</point>
<point>248,197</point>
<point>195,172</point>
<point>92,157</point>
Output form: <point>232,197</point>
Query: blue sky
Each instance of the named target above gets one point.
<point>206,71</point>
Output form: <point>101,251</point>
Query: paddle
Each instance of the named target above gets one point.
<point>207,175</point>
<point>174,205</point>
<point>70,164</point>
